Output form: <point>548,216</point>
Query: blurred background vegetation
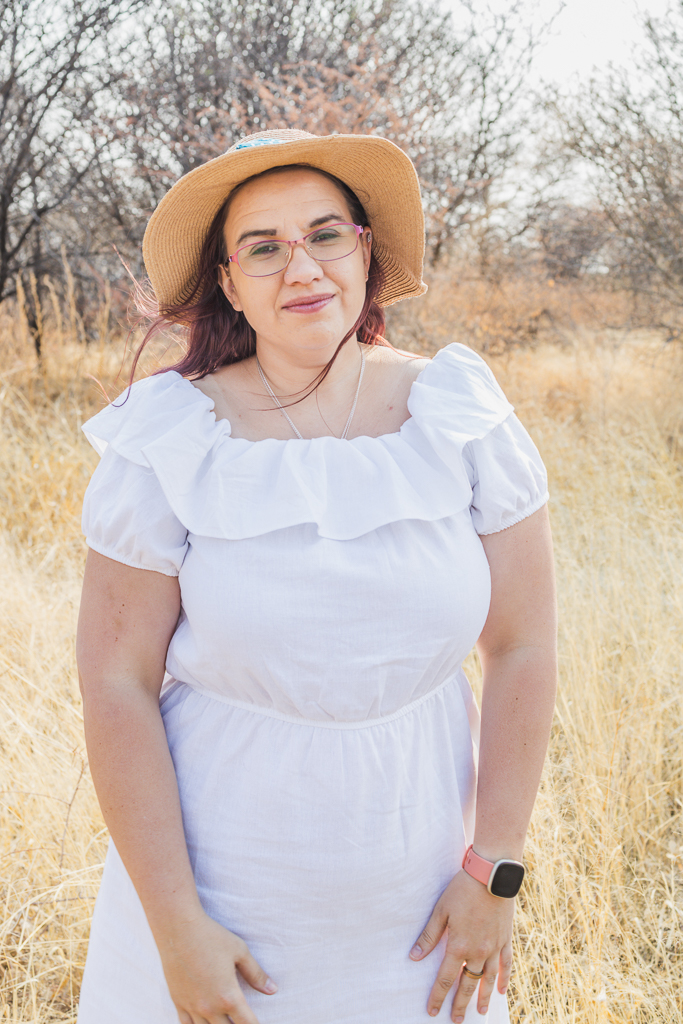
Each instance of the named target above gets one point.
<point>565,203</point>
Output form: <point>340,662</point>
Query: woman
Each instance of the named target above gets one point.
<point>308,531</point>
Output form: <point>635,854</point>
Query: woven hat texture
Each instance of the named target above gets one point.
<point>380,174</point>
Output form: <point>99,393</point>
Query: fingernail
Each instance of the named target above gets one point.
<point>459,1020</point>
<point>484,1010</point>
<point>415,951</point>
<point>503,991</point>
<point>270,987</point>
<point>433,1013</point>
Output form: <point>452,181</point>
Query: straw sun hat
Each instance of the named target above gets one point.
<point>379,173</point>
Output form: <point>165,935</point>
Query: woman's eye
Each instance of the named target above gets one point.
<point>326,235</point>
<point>264,249</point>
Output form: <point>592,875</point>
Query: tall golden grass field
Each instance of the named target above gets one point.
<point>598,935</point>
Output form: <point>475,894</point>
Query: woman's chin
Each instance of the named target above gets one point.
<point>312,333</point>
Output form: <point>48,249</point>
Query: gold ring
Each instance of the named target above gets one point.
<point>471,974</point>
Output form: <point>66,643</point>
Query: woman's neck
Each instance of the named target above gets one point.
<point>292,371</point>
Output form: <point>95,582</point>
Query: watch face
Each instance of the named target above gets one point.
<point>507,879</point>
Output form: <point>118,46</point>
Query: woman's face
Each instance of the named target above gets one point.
<point>309,305</point>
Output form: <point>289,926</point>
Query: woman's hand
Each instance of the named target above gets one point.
<point>479,935</point>
<point>200,962</point>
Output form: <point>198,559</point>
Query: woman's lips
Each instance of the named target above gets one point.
<point>308,304</point>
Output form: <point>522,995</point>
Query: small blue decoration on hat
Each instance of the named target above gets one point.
<point>247,144</point>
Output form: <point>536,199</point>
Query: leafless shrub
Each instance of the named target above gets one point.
<point>48,85</point>
<point>625,132</point>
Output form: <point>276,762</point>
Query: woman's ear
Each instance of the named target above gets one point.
<point>367,250</point>
<point>228,288</point>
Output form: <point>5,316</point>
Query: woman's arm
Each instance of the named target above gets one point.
<point>517,649</point>
<point>126,621</point>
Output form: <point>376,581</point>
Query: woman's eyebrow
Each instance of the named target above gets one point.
<point>272,233</point>
<point>256,233</point>
<point>324,220</point>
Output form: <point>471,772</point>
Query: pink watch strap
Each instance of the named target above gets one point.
<point>477,867</point>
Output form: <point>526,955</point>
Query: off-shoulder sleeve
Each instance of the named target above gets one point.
<point>507,476</point>
<point>127,517</point>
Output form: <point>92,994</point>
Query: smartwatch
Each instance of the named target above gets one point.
<point>503,878</point>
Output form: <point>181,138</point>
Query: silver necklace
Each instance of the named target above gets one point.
<point>286,415</point>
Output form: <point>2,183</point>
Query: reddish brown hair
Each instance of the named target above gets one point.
<point>217,334</point>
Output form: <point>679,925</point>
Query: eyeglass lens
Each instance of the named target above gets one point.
<point>271,255</point>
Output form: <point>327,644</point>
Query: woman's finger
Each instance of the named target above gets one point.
<point>487,984</point>
<point>430,934</point>
<point>505,968</point>
<point>445,979</point>
<point>252,972</point>
<point>232,1008</point>
<point>465,990</point>
<point>235,1010</point>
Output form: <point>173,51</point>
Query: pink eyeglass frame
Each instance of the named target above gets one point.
<point>298,241</point>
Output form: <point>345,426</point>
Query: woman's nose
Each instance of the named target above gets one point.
<point>302,268</point>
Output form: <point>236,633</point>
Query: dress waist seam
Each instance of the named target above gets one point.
<point>314,723</point>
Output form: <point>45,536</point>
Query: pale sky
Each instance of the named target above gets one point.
<point>587,34</point>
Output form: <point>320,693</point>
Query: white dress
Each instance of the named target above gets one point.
<point>321,727</point>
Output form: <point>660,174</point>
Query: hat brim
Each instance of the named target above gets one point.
<point>379,173</point>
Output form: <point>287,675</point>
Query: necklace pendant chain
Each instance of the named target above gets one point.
<point>266,384</point>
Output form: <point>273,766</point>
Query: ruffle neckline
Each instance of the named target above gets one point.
<point>231,488</point>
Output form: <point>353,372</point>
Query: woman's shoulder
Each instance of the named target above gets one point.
<point>455,367</point>
<point>459,385</point>
<point>146,412</point>
<point>147,391</point>
<point>458,363</point>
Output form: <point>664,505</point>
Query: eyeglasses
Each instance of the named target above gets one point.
<point>271,255</point>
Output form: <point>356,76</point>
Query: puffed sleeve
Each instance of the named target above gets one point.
<point>507,476</point>
<point>126,516</point>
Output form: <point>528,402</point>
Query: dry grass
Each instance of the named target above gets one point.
<point>599,937</point>
<point>524,310</point>
<point>600,932</point>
